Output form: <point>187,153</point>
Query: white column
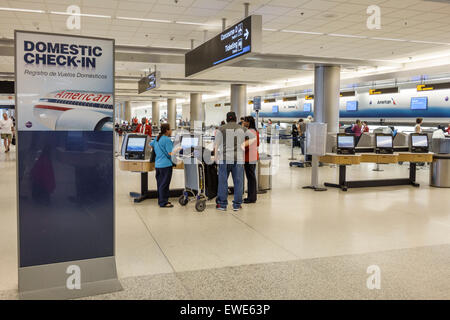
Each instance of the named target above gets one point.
<point>155,113</point>
<point>239,100</point>
<point>127,111</point>
<point>197,109</point>
<point>326,96</point>
<point>172,113</point>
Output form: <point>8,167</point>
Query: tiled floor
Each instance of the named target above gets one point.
<point>327,236</point>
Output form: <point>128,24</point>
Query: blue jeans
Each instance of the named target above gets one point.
<point>237,172</point>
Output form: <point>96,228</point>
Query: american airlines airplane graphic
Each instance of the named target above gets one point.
<point>76,110</point>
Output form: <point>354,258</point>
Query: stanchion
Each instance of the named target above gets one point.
<point>378,168</point>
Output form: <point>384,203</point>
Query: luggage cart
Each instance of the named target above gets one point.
<point>195,186</point>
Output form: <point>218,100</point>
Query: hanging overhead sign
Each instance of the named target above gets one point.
<point>233,44</point>
<point>65,164</point>
<point>150,82</point>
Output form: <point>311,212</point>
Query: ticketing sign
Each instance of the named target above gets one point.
<point>150,82</point>
<point>241,39</point>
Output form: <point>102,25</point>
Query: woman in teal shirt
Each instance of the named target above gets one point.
<point>163,147</point>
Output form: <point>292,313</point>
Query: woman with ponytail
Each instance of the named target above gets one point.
<point>163,147</point>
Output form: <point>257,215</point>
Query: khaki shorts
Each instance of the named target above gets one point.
<point>6,136</point>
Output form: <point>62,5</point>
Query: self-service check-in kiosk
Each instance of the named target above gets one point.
<point>136,147</point>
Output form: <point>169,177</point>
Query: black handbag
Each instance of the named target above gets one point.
<point>13,141</point>
<point>153,156</point>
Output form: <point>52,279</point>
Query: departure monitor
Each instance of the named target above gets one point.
<point>345,144</point>
<point>307,107</point>
<point>419,103</point>
<point>352,106</point>
<point>384,143</point>
<point>275,109</point>
<point>419,143</point>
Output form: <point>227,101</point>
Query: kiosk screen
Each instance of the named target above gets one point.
<point>419,141</point>
<point>384,142</point>
<point>345,142</point>
<point>189,142</point>
<point>136,144</point>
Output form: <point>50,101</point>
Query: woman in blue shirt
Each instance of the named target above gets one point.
<point>163,147</point>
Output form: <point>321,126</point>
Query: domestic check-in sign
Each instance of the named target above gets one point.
<point>232,45</point>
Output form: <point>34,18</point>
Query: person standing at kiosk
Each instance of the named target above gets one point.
<point>143,128</point>
<point>163,147</point>
<point>229,147</point>
<point>251,158</point>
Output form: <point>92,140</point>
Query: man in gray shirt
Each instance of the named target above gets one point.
<point>229,146</point>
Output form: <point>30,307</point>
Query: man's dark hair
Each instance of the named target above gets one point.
<point>231,116</point>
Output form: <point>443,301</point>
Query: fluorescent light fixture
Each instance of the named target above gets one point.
<point>144,19</point>
<point>346,35</point>
<point>22,10</point>
<point>80,14</point>
<point>429,42</point>
<point>273,30</point>
<point>303,32</point>
<point>388,39</point>
<point>197,24</point>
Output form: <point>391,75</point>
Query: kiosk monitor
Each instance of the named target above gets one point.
<point>345,144</point>
<point>419,143</point>
<point>188,142</point>
<point>135,147</point>
<point>384,143</point>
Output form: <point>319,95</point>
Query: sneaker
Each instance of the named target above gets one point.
<point>218,207</point>
<point>237,208</point>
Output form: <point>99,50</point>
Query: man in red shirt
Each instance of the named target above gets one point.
<point>144,128</point>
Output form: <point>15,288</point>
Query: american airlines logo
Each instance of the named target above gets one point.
<point>82,96</point>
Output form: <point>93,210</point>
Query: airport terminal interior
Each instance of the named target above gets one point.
<point>350,99</point>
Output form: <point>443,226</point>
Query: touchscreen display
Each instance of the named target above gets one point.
<point>189,142</point>
<point>136,144</point>
<point>346,142</point>
<point>384,142</point>
<point>419,141</point>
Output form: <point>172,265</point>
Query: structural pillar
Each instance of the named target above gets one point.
<point>239,100</point>
<point>155,113</point>
<point>172,113</point>
<point>127,111</point>
<point>326,96</point>
<point>197,111</point>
